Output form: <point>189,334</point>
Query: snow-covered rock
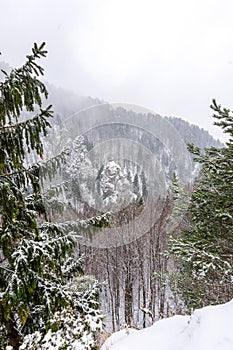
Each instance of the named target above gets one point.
<point>209,328</point>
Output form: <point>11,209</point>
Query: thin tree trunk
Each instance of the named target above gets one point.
<point>13,334</point>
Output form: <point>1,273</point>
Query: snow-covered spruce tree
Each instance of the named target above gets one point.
<point>38,280</point>
<point>205,250</point>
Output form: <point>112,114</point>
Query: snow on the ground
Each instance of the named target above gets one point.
<point>115,337</point>
<point>209,328</point>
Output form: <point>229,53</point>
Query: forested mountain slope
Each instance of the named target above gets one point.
<point>108,171</point>
<point>123,159</point>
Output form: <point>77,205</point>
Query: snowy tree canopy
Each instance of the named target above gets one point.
<point>205,248</point>
<point>38,271</point>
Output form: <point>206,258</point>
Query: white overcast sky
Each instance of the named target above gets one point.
<point>172,56</point>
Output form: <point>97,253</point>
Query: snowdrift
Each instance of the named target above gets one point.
<point>209,328</point>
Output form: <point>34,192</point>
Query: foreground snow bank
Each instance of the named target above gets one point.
<point>209,328</point>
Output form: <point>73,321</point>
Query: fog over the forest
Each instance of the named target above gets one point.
<point>172,56</point>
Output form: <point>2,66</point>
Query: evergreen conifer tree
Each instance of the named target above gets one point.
<point>37,270</point>
<point>205,249</point>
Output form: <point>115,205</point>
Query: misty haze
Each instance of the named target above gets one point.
<point>116,175</point>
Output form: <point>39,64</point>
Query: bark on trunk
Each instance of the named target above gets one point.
<point>13,334</point>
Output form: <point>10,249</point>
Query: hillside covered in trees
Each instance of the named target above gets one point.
<point>110,215</point>
<point>107,171</point>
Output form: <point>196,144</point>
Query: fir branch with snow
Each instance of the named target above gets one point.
<point>38,270</point>
<point>204,251</point>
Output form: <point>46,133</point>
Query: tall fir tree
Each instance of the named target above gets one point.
<point>205,250</point>
<point>38,275</point>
